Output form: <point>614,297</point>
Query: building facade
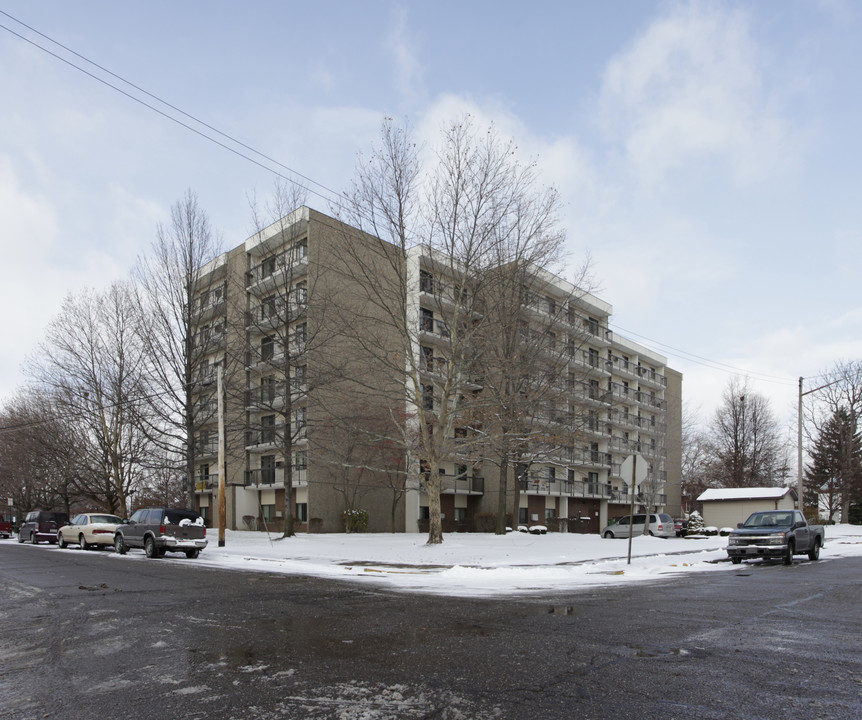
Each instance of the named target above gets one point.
<point>302,433</point>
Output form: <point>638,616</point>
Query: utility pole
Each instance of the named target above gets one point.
<point>799,474</point>
<point>221,454</point>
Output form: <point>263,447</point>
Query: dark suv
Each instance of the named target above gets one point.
<point>158,530</point>
<point>41,525</point>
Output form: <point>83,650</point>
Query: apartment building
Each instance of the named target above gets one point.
<point>309,404</point>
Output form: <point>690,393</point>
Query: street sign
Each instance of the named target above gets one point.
<point>641,471</point>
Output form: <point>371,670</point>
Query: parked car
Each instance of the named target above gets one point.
<point>775,534</point>
<point>158,530</point>
<point>660,525</point>
<point>41,525</point>
<point>89,529</point>
<point>5,525</point>
<point>679,527</point>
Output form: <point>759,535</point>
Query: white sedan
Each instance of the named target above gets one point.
<point>89,529</point>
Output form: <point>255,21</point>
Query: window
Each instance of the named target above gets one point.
<point>267,469</point>
<point>550,306</point>
<point>300,418</point>
<point>522,516</point>
<point>267,429</point>
<point>301,460</point>
<point>426,320</point>
<point>460,514</point>
<point>426,281</point>
<point>299,376</point>
<point>549,513</point>
<point>267,348</point>
<point>427,397</point>
<point>300,250</point>
<point>426,358</point>
<point>267,267</point>
<point>300,334</point>
<point>424,514</point>
<point>594,358</point>
<point>301,512</point>
<point>267,513</point>
<point>301,293</point>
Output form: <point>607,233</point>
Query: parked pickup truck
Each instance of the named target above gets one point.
<point>775,534</point>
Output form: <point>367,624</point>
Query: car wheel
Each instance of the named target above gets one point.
<point>82,542</point>
<point>736,560</point>
<point>150,548</point>
<point>61,542</point>
<point>192,554</point>
<point>33,539</point>
<point>788,553</point>
<point>20,537</point>
<point>814,553</point>
<point>651,534</point>
<point>609,535</point>
<point>119,545</point>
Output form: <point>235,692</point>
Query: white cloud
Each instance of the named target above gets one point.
<point>690,88</point>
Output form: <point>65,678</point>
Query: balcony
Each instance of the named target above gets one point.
<point>274,477</point>
<point>206,483</point>
<point>273,314</point>
<point>277,270</point>
<point>210,303</point>
<point>460,484</point>
<point>430,326</point>
<point>270,355</point>
<point>559,487</point>
<point>649,376</point>
<point>206,448</point>
<point>650,401</point>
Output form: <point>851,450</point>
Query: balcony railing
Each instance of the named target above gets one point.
<point>561,487</point>
<point>206,448</point>
<point>463,484</point>
<point>293,262</point>
<point>205,483</point>
<point>275,477</point>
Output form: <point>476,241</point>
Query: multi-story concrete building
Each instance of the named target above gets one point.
<point>290,371</point>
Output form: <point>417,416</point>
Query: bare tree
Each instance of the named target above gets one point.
<point>90,364</point>
<point>434,229</point>
<point>745,445</point>
<point>282,336</point>
<point>181,325</point>
<point>695,460</point>
<point>39,460</point>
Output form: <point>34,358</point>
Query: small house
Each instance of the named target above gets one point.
<point>725,507</point>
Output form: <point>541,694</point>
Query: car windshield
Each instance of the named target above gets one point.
<point>768,519</point>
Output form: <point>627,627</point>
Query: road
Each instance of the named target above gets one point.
<point>93,635</point>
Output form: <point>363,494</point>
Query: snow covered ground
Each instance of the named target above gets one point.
<point>484,565</point>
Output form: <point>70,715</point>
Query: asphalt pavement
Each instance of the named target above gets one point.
<point>88,634</point>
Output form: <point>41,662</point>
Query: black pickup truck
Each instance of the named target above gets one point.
<point>775,534</point>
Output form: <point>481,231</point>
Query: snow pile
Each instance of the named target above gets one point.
<point>483,564</point>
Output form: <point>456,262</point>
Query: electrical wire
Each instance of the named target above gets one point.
<point>324,193</point>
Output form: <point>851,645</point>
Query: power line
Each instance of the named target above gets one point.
<point>332,196</point>
<point>713,364</point>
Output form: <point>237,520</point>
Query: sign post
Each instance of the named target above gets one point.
<point>636,468</point>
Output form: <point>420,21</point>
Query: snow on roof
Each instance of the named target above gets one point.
<point>753,493</point>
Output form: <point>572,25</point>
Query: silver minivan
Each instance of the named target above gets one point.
<point>660,525</point>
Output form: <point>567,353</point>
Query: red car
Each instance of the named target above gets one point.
<point>5,526</point>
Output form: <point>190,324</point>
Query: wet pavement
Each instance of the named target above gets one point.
<point>93,635</point>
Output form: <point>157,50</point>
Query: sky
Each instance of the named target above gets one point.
<point>479,564</point>
<point>707,153</point>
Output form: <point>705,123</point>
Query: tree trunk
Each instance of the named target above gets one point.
<point>500,528</point>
